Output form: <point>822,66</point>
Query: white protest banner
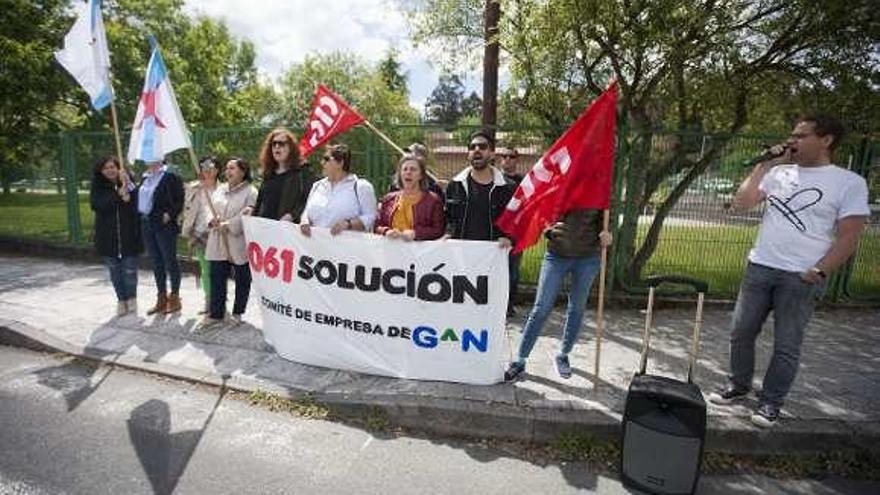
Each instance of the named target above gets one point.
<point>432,310</point>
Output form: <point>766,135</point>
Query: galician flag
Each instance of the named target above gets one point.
<point>158,127</point>
<point>85,54</point>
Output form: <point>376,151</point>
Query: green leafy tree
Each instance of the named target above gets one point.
<point>31,84</point>
<point>390,70</point>
<point>347,75</point>
<point>444,105</point>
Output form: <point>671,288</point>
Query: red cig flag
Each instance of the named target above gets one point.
<point>330,116</point>
<point>574,173</point>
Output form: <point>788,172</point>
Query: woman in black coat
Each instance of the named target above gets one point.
<point>117,230</point>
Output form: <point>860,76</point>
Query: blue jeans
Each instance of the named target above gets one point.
<point>553,271</point>
<point>123,276</point>
<point>219,279</point>
<point>792,300</point>
<point>161,242</point>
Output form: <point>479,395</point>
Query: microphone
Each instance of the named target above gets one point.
<point>768,154</point>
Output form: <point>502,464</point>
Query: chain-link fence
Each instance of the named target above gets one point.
<point>700,236</point>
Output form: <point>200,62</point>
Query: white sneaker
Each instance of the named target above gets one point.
<point>207,324</point>
<point>132,305</point>
<point>121,308</point>
<point>236,319</point>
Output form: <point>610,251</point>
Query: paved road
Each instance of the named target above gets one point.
<point>67,426</point>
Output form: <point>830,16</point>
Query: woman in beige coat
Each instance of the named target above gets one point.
<point>226,249</point>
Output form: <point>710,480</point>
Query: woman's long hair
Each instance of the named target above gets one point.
<point>268,164</point>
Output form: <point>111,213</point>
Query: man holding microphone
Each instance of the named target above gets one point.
<point>815,213</point>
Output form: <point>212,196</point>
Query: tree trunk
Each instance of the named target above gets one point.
<point>491,17</point>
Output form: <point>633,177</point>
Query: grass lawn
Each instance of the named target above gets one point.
<point>715,253</point>
<point>42,216</point>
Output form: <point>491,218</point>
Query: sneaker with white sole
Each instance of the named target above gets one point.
<point>766,415</point>
<point>207,324</point>
<point>728,395</point>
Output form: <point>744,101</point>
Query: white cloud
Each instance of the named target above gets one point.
<point>284,32</point>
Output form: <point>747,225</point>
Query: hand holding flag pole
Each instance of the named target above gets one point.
<point>574,173</point>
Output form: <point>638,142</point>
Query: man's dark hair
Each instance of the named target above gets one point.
<point>485,135</point>
<point>825,125</point>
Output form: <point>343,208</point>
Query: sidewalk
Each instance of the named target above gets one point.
<point>69,306</point>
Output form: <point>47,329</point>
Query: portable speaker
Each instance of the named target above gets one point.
<point>664,429</point>
<point>664,420</point>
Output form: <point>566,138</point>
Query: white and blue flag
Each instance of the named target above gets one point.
<point>85,54</point>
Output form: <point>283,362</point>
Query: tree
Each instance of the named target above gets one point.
<point>361,85</point>
<point>491,52</point>
<point>31,84</point>
<point>394,79</point>
<point>472,106</point>
<point>444,105</point>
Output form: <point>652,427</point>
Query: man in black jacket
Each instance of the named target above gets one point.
<point>477,196</point>
<point>160,201</point>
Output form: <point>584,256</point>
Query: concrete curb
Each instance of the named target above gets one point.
<point>481,419</point>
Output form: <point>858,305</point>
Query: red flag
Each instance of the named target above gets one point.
<point>330,116</point>
<point>574,173</point>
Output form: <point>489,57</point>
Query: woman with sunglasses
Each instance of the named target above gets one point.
<point>340,201</point>
<point>411,212</point>
<point>286,180</point>
<point>196,215</point>
<point>226,249</point>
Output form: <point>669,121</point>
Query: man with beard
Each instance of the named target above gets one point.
<point>814,217</point>
<point>477,196</point>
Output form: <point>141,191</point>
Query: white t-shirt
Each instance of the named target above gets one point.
<point>803,205</point>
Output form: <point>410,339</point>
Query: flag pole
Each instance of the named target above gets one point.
<point>600,310</point>
<point>383,136</point>
<point>393,144</point>
<point>115,123</point>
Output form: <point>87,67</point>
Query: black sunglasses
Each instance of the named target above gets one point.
<point>278,144</point>
<point>481,146</point>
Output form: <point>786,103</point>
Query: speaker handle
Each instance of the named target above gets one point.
<point>646,336</point>
<point>701,288</point>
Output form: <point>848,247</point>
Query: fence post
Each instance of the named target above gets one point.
<point>71,188</point>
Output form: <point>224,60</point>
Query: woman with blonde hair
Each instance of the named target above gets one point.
<point>411,212</point>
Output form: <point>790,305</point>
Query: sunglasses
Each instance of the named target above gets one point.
<point>326,158</point>
<point>478,146</point>
<point>279,144</point>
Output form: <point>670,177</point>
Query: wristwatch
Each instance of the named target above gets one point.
<point>818,271</point>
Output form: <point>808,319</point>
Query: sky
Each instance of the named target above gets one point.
<point>285,31</point>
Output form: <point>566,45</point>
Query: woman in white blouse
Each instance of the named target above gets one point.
<point>340,201</point>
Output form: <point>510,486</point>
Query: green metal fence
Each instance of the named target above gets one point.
<point>699,237</point>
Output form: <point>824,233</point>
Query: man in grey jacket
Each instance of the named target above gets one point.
<point>573,245</point>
